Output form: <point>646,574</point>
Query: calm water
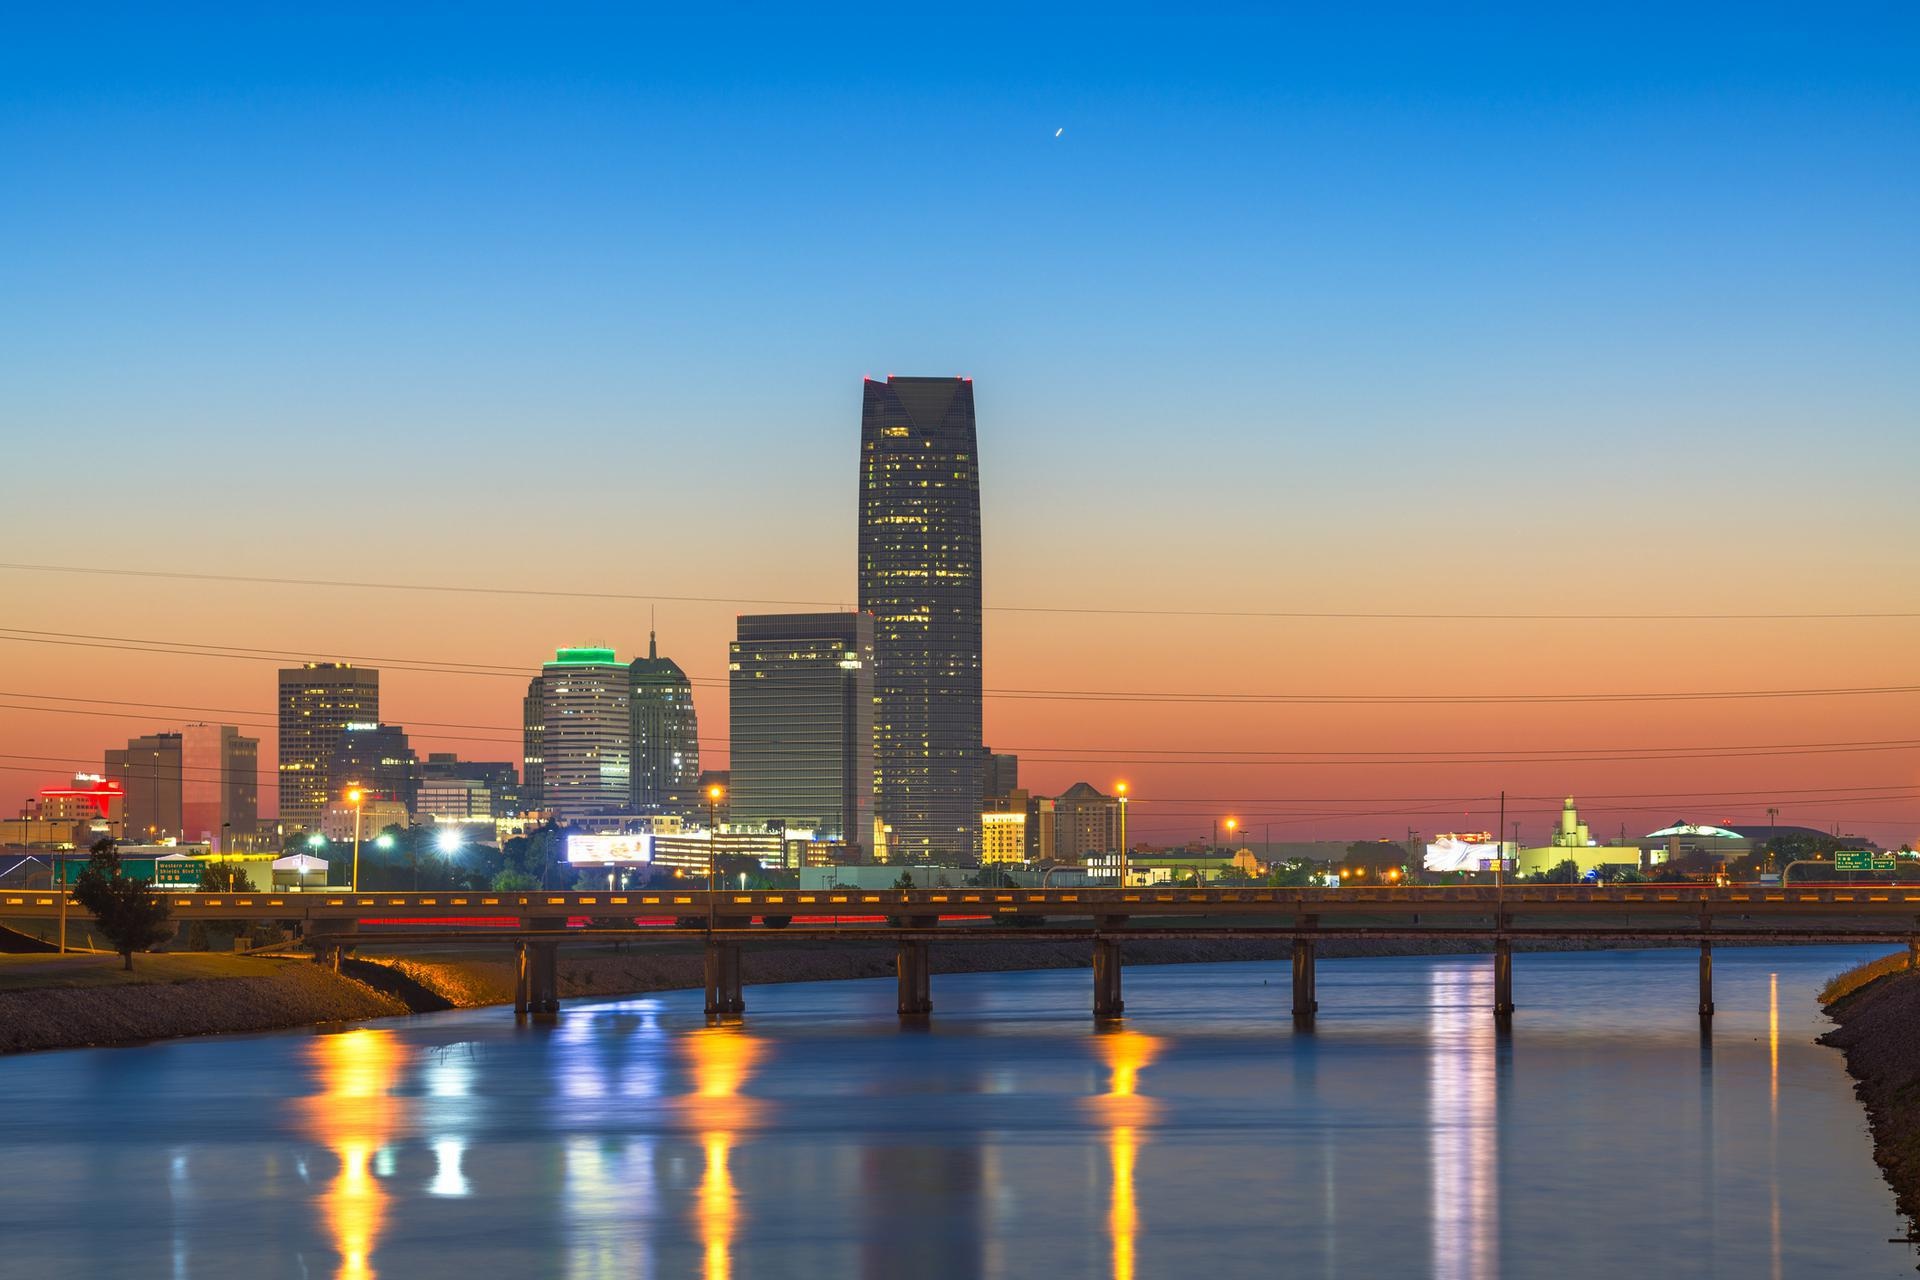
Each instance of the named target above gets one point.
<point>1403,1137</point>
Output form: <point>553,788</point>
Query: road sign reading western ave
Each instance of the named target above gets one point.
<point>1862,860</point>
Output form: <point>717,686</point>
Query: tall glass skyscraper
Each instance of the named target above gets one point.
<point>920,579</point>
<point>666,735</point>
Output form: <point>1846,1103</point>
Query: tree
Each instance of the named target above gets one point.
<point>513,880</point>
<point>1566,871</point>
<point>222,877</point>
<point>1295,874</point>
<point>131,915</point>
<point>905,881</point>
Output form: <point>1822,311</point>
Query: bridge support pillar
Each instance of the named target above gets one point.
<point>1706,979</point>
<point>332,941</point>
<point>542,964</point>
<point>1502,978</point>
<point>1913,953</point>
<point>723,980</point>
<point>915,971</point>
<point>520,982</point>
<point>1107,1002</point>
<point>1304,1001</point>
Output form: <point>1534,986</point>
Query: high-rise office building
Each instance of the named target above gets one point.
<point>379,758</point>
<point>920,579</point>
<point>201,784</point>
<point>317,703</point>
<point>148,771</point>
<point>666,735</point>
<point>1000,773</point>
<point>586,734</point>
<point>1085,823</point>
<point>499,777</point>
<point>533,722</point>
<point>801,727</point>
<point>219,784</point>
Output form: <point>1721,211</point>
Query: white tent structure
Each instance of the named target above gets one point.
<point>300,871</point>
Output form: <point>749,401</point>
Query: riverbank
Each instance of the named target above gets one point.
<point>78,1001</point>
<point>1879,1032</point>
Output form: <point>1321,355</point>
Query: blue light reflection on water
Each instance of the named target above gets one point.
<point>1404,1135</point>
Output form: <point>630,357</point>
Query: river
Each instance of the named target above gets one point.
<point>1403,1136</point>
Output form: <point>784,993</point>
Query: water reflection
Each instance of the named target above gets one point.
<point>1123,1111</point>
<point>1462,1092</point>
<point>353,1116</point>
<point>723,1058</point>
<point>1773,1096</point>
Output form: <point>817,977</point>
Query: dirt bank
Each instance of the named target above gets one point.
<point>262,995</point>
<point>1879,1032</point>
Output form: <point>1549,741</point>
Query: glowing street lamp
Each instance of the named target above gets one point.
<point>1120,790</point>
<point>383,841</point>
<point>354,797</point>
<point>714,792</point>
<point>447,841</point>
<point>1233,825</point>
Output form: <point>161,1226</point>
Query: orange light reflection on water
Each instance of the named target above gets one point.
<point>723,1059</point>
<point>354,1115</point>
<point>1123,1110</point>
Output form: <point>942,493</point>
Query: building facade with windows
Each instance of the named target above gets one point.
<point>317,703</point>
<point>801,727</point>
<point>586,737</point>
<point>666,735</point>
<point>919,569</point>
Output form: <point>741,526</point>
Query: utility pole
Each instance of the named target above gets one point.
<point>1500,857</point>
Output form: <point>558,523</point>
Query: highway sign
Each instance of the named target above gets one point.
<point>1862,860</point>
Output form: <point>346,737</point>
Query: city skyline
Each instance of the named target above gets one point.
<point>1599,317</point>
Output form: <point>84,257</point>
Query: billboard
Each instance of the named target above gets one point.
<point>1462,853</point>
<point>604,851</point>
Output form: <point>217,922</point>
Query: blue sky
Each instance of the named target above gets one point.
<point>1298,306</point>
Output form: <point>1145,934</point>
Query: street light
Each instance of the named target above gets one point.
<point>1120,789</point>
<point>447,841</point>
<point>714,792</point>
<point>1233,825</point>
<point>354,796</point>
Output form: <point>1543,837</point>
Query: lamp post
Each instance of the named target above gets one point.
<point>1120,789</point>
<point>714,792</point>
<point>354,797</point>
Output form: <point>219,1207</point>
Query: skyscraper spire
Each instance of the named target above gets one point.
<point>653,649</point>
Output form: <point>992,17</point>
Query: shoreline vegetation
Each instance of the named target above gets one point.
<point>80,1001</point>
<point>1876,1007</point>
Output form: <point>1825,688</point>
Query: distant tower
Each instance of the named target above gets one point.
<point>920,579</point>
<point>317,703</point>
<point>666,735</point>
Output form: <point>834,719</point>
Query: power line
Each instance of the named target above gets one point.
<point>1140,757</point>
<point>1083,610</point>
<point>183,648</point>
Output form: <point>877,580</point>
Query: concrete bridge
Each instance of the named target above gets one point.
<point>537,923</point>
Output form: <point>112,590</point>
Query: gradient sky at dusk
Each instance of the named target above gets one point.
<point>1518,311</point>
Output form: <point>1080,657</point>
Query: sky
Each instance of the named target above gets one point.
<point>1506,310</point>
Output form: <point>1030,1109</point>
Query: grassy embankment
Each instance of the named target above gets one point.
<point>70,1001</point>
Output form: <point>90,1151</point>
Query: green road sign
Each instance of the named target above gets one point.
<point>1862,860</point>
